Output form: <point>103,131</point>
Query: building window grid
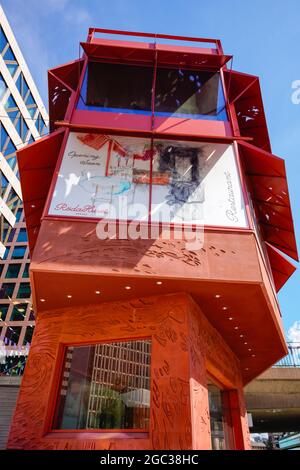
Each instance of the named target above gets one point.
<point>16,73</point>
<point>26,322</point>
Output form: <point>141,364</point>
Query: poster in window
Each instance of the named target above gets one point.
<point>109,177</point>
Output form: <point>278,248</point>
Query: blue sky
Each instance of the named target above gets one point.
<point>263,37</point>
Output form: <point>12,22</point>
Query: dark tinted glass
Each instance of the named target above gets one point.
<point>188,92</point>
<point>13,270</point>
<point>119,86</point>
<point>7,290</point>
<point>24,290</point>
<point>19,312</point>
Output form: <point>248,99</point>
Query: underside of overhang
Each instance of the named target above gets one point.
<point>268,184</point>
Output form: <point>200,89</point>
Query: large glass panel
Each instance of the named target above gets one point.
<point>189,93</point>
<point>196,183</point>
<point>182,93</point>
<point>105,386</point>
<point>104,177</point>
<point>119,86</point>
<point>217,426</point>
<point>109,177</point>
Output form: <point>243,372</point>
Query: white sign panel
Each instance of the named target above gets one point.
<point>109,177</point>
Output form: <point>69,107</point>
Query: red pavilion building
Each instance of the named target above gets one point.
<point>159,222</point>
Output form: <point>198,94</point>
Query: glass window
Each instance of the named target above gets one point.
<point>31,315</point>
<point>28,335</point>
<point>3,86</point>
<point>12,335</point>
<point>3,311</point>
<point>18,215</point>
<point>189,93</point>
<point>10,103</point>
<point>217,425</point>
<point>7,289</point>
<point>182,93</point>
<point>12,68</point>
<point>13,365</point>
<point>11,235</point>
<point>26,270</point>
<point>119,86</point>
<point>3,39</point>
<point>113,177</point>
<point>13,270</point>
<point>24,290</point>
<point>19,312</point>
<point>105,386</point>
<point>114,173</point>
<point>18,252</point>
<point>4,184</point>
<point>22,237</point>
<point>9,148</point>
<point>9,55</point>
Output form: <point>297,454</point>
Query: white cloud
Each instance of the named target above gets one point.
<point>78,16</point>
<point>294,333</point>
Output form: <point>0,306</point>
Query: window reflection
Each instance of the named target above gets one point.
<point>196,94</point>
<point>119,86</point>
<point>189,93</point>
<point>106,386</point>
<point>216,418</point>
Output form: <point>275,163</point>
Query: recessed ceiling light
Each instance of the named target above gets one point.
<point>69,296</point>
<point>224,308</point>
<point>230,318</point>
<point>245,342</point>
<point>97,292</point>
<point>253,355</point>
<point>42,300</point>
<point>236,327</point>
<point>217,296</point>
<point>246,368</point>
<point>127,287</point>
<point>241,336</point>
<point>159,283</point>
<point>249,349</point>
